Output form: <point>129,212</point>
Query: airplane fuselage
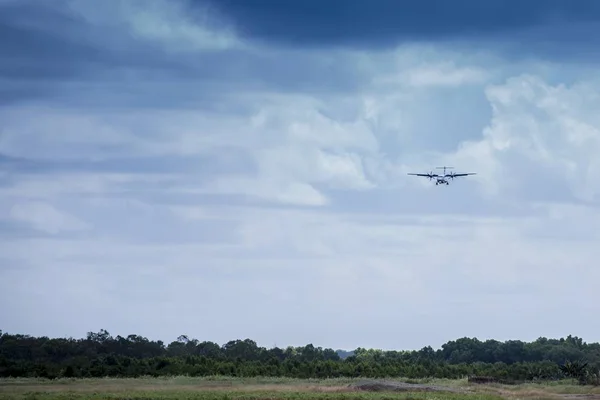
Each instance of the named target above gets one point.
<point>441,181</point>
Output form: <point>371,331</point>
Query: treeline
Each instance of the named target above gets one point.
<point>100,354</point>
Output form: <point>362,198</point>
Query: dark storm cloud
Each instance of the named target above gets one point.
<point>54,44</point>
<point>43,45</point>
<point>40,42</point>
<point>205,80</point>
<point>386,23</point>
<point>50,51</point>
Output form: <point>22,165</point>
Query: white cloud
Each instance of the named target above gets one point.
<point>445,74</point>
<point>292,193</point>
<point>45,217</point>
<point>61,134</point>
<point>540,135</point>
<point>424,66</point>
<point>315,264</point>
<point>52,185</point>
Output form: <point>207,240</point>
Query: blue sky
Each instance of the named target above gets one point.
<point>237,169</point>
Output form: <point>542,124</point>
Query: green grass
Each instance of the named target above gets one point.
<point>266,388</point>
<point>225,395</point>
<point>220,380</point>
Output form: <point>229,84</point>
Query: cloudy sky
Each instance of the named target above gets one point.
<point>238,169</point>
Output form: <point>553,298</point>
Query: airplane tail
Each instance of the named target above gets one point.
<point>445,174</point>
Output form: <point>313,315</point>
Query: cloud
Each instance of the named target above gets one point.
<point>169,175</point>
<point>159,21</point>
<point>541,140</point>
<point>551,30</point>
<point>45,217</point>
<point>313,264</point>
<point>445,75</point>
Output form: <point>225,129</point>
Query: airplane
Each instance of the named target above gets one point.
<point>442,179</point>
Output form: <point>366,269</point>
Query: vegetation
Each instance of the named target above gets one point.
<point>213,388</point>
<point>102,355</point>
<point>270,388</point>
<point>224,395</point>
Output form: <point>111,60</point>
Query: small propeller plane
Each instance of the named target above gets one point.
<point>443,179</point>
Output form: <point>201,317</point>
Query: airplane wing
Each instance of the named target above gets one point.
<point>457,175</point>
<point>426,175</point>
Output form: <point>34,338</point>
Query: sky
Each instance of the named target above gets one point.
<point>238,169</point>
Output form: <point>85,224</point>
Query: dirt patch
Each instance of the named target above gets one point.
<point>379,386</point>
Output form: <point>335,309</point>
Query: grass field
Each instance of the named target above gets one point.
<point>223,388</point>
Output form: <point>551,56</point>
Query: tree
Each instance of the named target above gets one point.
<point>576,370</point>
